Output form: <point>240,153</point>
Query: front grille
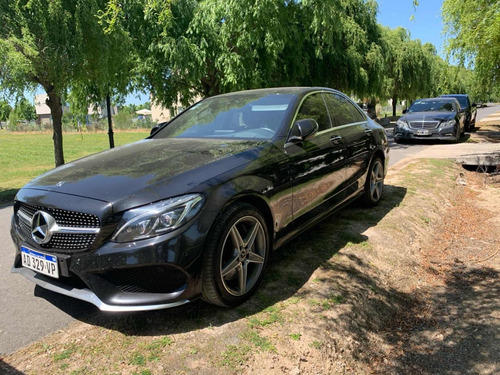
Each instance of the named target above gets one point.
<point>71,219</point>
<point>424,124</point>
<point>63,217</point>
<point>150,279</point>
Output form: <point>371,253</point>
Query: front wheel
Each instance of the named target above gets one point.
<point>374,184</point>
<point>236,256</point>
<point>457,134</point>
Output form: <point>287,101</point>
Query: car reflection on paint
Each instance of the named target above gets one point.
<point>195,209</point>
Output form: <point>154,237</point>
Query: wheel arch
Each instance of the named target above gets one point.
<point>260,204</point>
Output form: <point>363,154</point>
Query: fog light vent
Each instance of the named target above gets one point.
<point>150,279</point>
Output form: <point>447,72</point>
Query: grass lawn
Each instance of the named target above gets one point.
<point>27,155</point>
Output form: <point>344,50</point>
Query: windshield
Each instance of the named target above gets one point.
<point>252,115</point>
<point>431,106</point>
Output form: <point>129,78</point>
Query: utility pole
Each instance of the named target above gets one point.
<point>110,124</point>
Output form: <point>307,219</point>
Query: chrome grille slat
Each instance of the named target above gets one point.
<point>424,124</point>
<point>78,230</point>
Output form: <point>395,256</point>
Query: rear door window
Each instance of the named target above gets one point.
<point>342,111</point>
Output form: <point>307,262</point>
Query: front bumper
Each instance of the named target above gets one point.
<point>151,274</point>
<point>87,295</point>
<point>447,133</point>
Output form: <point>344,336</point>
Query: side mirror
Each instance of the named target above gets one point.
<point>154,129</point>
<point>404,111</point>
<point>303,129</point>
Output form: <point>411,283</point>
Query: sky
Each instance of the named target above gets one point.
<point>426,24</point>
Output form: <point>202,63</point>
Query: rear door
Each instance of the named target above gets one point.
<point>350,124</point>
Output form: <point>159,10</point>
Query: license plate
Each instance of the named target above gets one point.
<point>40,262</point>
<point>423,132</point>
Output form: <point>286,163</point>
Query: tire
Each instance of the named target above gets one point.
<point>374,184</point>
<point>457,135</point>
<point>236,256</point>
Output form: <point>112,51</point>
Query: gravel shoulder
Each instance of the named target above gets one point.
<point>409,287</point>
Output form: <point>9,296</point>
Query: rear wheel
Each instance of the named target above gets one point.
<point>236,256</point>
<point>374,184</point>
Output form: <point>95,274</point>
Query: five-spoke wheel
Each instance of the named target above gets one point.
<point>236,256</point>
<point>374,184</point>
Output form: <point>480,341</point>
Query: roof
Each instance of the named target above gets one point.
<point>40,107</point>
<point>442,99</point>
<point>280,90</point>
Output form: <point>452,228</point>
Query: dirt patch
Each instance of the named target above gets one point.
<point>486,131</point>
<point>410,286</point>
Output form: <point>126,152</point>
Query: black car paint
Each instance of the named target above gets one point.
<point>405,133</point>
<point>293,185</point>
<point>470,109</point>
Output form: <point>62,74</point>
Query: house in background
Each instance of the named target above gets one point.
<point>42,110</point>
<point>162,114</point>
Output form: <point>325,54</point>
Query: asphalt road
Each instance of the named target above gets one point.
<point>29,312</point>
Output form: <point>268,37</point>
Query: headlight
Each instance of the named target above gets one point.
<point>401,123</point>
<point>449,123</point>
<point>157,218</point>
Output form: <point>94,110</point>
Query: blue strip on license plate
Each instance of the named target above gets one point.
<point>50,258</point>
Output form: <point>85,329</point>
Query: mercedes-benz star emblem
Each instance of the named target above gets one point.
<point>41,227</point>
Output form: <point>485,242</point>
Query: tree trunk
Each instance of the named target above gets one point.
<point>55,105</point>
<point>394,104</point>
<point>110,123</point>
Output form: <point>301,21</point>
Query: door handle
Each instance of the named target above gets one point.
<point>368,131</point>
<point>336,139</point>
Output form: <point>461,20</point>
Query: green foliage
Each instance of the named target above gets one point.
<point>13,121</point>
<point>263,343</point>
<point>58,44</point>
<point>235,356</point>
<point>5,110</point>
<point>24,110</point>
<point>187,48</point>
<point>473,38</point>
<point>408,66</point>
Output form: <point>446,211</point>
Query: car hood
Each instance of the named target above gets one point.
<point>148,170</point>
<point>428,116</point>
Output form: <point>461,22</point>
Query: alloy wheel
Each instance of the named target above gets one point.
<point>376,181</point>
<point>243,255</point>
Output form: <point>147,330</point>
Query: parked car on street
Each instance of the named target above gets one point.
<point>468,107</point>
<point>195,209</point>
<point>432,118</point>
<point>369,109</point>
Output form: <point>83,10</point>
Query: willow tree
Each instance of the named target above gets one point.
<point>472,29</point>
<point>342,44</point>
<point>53,44</point>
<point>408,66</point>
<point>205,48</point>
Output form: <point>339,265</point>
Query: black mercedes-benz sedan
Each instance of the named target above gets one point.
<point>195,209</point>
<point>432,118</point>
